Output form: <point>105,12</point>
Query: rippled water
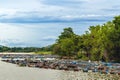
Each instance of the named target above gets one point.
<point>10,71</point>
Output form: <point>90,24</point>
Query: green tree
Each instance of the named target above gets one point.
<point>67,43</point>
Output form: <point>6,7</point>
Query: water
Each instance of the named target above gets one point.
<point>10,71</point>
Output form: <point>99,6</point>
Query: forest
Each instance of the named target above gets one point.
<point>100,42</point>
<point>25,49</point>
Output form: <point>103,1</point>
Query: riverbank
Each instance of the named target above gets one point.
<point>53,62</point>
<point>12,72</point>
<point>16,53</point>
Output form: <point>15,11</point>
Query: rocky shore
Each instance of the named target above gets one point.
<point>53,62</point>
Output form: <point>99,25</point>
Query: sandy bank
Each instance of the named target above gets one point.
<point>15,53</point>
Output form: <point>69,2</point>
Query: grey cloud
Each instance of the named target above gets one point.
<point>12,43</point>
<point>33,17</point>
<point>49,38</point>
<point>112,9</point>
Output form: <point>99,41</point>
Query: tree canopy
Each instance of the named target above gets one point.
<point>100,42</point>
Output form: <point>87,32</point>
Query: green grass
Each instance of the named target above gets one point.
<point>44,52</point>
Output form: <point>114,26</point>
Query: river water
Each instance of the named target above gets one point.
<point>10,71</point>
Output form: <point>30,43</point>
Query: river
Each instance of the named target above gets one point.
<point>10,71</point>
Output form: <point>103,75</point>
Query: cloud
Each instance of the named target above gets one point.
<point>49,38</point>
<point>34,17</point>
<point>114,7</point>
<point>50,17</point>
<point>36,35</point>
<point>12,43</point>
<point>65,3</point>
<point>56,11</point>
<point>18,43</point>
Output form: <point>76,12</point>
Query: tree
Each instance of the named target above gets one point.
<point>67,33</point>
<point>101,42</point>
<point>67,43</point>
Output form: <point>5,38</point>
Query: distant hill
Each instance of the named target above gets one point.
<point>1,45</point>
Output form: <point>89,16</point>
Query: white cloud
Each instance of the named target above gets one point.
<point>50,17</point>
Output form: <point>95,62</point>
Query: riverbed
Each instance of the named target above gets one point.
<point>10,71</point>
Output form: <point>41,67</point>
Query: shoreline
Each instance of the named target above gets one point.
<point>51,62</point>
<point>17,53</point>
<point>48,74</point>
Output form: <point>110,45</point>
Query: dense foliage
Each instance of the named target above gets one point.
<point>24,49</point>
<point>101,42</point>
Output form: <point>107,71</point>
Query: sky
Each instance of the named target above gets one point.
<point>38,23</point>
